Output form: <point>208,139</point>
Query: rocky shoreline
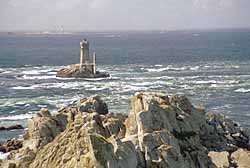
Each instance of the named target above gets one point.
<point>73,71</point>
<point>160,131</point>
<point>12,127</point>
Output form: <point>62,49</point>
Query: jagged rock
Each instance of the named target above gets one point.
<point>160,131</point>
<point>43,129</point>
<point>9,145</point>
<point>86,142</point>
<point>162,137</point>
<point>88,105</point>
<point>222,134</point>
<point>44,113</point>
<point>115,126</point>
<point>93,104</point>
<point>241,158</point>
<point>73,71</point>
<point>182,102</point>
<point>220,159</point>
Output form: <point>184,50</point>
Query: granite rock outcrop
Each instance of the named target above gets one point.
<point>10,145</point>
<point>73,71</point>
<point>160,131</point>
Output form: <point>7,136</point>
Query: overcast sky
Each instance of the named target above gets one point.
<point>123,14</point>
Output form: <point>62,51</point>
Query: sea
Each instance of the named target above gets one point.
<point>210,67</point>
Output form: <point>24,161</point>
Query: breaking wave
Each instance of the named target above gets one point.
<point>242,90</point>
<point>17,117</point>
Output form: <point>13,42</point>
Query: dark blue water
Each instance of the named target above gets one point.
<point>211,67</point>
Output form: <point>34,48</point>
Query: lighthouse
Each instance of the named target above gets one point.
<point>84,53</point>
<point>86,68</point>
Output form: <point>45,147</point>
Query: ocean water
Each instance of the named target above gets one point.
<point>212,68</point>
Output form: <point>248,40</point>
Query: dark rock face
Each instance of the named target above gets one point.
<point>223,134</point>
<point>93,104</point>
<point>10,145</point>
<point>11,127</point>
<point>160,131</point>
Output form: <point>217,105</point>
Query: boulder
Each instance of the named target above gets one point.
<point>168,131</point>
<point>42,129</point>
<point>241,158</point>
<point>220,159</point>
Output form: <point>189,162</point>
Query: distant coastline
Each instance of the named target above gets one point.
<point>70,32</point>
<point>39,33</point>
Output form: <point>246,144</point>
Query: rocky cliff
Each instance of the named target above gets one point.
<point>159,131</point>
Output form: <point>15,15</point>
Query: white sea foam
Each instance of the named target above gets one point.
<point>3,155</point>
<point>185,86</point>
<point>20,103</point>
<point>24,87</point>
<point>31,72</point>
<point>39,77</point>
<point>156,69</point>
<point>143,84</point>
<point>60,78</point>
<point>194,68</point>
<point>165,77</point>
<point>158,65</point>
<point>208,82</point>
<point>242,90</point>
<point>52,73</point>
<point>215,86</point>
<point>166,68</point>
<point>129,88</point>
<point>17,117</point>
<point>95,79</point>
<point>27,105</point>
<point>41,106</point>
<point>5,72</point>
<point>68,85</point>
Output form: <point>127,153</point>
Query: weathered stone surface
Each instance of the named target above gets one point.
<point>86,142</point>
<point>9,145</point>
<point>160,131</point>
<point>42,129</point>
<point>223,134</point>
<point>241,158</point>
<point>167,130</point>
<point>93,104</point>
<point>220,159</point>
<point>73,71</point>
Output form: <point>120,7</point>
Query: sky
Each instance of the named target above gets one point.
<point>88,15</point>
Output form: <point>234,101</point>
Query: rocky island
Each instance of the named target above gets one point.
<point>85,69</point>
<point>160,131</point>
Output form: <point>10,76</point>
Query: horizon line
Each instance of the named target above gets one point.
<point>122,30</point>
